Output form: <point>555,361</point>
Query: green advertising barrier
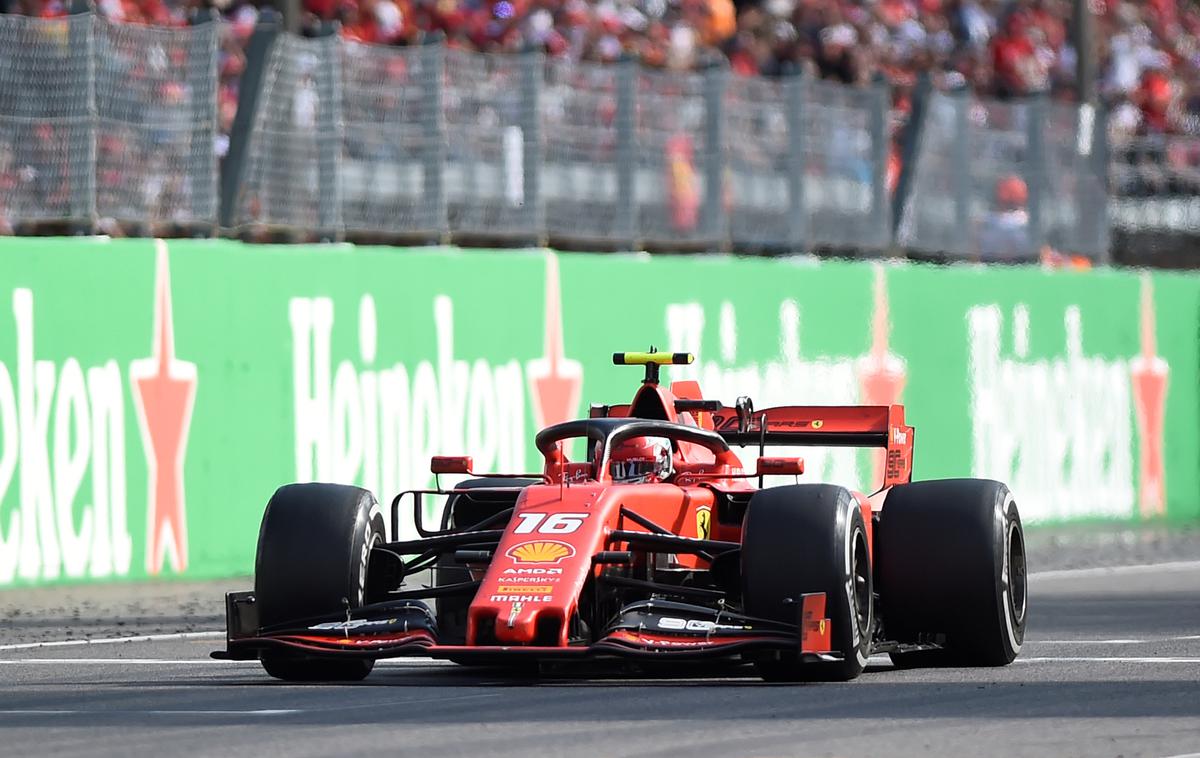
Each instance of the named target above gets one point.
<point>153,394</point>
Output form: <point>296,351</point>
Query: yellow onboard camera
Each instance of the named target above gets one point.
<point>652,360</point>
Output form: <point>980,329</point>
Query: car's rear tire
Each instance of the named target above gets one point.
<point>461,513</point>
<point>952,569</point>
<point>313,550</point>
<point>802,539</point>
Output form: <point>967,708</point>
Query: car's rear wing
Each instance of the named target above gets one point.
<point>879,426</point>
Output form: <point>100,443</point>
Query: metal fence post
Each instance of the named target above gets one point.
<point>627,158</point>
<point>233,168</point>
<point>330,124</point>
<point>961,150</point>
<point>82,142</point>
<point>715,225</point>
<point>880,147</point>
<point>910,146</point>
<point>1099,166</point>
<point>433,154</point>
<point>1035,170</point>
<point>532,72</point>
<point>795,92</point>
<point>203,87</point>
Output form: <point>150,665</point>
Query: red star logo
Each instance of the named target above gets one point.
<point>881,373</point>
<point>1149,374</point>
<point>164,390</point>
<point>555,381</point>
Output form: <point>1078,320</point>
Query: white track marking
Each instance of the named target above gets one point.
<point>1105,659</point>
<point>1144,568</point>
<point>114,640</point>
<point>1148,640</point>
<point>1184,755</point>
<point>226,712</point>
<point>389,663</point>
<point>113,661</point>
<point>156,712</point>
<point>1090,642</point>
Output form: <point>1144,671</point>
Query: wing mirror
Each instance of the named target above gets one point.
<point>780,466</point>
<point>451,464</point>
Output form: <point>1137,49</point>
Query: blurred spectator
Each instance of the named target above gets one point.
<point>1148,51</point>
<point>1004,232</point>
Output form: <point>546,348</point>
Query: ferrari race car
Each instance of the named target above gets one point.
<point>658,545</point>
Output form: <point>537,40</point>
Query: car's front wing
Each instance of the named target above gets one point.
<point>654,629</point>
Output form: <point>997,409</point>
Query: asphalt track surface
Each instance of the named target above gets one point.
<point>1111,667</point>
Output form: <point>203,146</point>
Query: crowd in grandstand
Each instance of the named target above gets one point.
<point>1148,58</point>
<point>1148,51</point>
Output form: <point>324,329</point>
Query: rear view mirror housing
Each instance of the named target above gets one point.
<point>451,464</point>
<point>777,466</point>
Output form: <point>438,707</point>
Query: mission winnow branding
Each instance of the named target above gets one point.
<point>153,394</point>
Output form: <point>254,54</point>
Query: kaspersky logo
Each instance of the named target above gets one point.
<point>63,446</point>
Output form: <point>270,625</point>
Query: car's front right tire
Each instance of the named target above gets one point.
<point>313,552</point>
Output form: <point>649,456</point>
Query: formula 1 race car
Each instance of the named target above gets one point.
<point>657,546</point>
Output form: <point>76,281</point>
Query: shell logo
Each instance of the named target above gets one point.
<point>541,551</point>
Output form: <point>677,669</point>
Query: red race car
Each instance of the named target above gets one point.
<point>659,545</point>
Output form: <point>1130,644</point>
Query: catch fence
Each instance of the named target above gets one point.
<point>103,122</point>
<point>355,140</point>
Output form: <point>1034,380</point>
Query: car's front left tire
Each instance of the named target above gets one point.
<point>802,539</point>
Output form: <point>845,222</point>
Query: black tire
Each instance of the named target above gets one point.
<point>952,566</point>
<point>461,513</point>
<point>809,538</point>
<point>313,549</point>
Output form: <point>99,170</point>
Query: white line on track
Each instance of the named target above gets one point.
<point>1111,642</point>
<point>391,663</point>
<point>115,640</point>
<point>1144,568</point>
<point>114,661</point>
<point>226,712</point>
<point>1105,659</point>
<point>157,712</point>
<point>1090,642</point>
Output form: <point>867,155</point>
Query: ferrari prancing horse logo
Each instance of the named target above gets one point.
<point>703,522</point>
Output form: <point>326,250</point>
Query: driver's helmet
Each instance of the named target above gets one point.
<point>641,459</point>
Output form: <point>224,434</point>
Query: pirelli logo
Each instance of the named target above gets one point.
<point>505,589</point>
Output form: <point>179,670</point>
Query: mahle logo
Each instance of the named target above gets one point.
<point>62,426</point>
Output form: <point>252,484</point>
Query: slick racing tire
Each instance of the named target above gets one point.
<point>952,572</point>
<point>313,550</point>
<point>461,513</point>
<point>809,538</point>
